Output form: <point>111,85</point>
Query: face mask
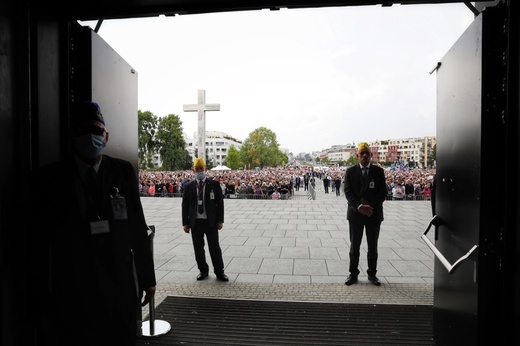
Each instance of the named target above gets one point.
<point>200,175</point>
<point>89,145</point>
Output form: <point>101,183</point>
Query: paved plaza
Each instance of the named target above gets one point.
<point>295,250</point>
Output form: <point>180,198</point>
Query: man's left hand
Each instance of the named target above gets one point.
<point>366,209</point>
<point>149,293</point>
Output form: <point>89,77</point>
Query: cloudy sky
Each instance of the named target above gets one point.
<point>315,77</point>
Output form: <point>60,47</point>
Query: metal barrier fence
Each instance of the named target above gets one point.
<point>237,196</point>
<point>311,194</point>
<point>409,198</point>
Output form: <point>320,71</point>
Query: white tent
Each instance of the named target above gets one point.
<point>221,168</point>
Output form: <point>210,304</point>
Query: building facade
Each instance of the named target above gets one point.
<point>338,153</point>
<point>217,146</point>
<point>416,152</point>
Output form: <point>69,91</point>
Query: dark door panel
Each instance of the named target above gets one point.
<point>471,150</point>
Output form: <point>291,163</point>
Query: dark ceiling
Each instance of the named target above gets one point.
<point>112,9</point>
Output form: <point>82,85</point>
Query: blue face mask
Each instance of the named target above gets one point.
<point>89,145</point>
<point>200,175</point>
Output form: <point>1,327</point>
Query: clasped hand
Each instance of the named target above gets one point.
<point>366,209</point>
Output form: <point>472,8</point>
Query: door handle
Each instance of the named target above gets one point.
<point>472,253</point>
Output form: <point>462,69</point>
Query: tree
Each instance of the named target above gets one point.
<point>188,160</point>
<point>233,159</point>
<point>147,146</point>
<point>171,141</point>
<point>261,149</point>
<point>352,160</point>
<point>209,160</point>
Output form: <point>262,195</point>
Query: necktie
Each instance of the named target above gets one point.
<point>365,175</point>
<point>92,182</point>
<point>201,197</point>
<point>92,190</point>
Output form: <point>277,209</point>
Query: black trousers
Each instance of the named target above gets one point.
<point>356,236</point>
<point>201,229</point>
<point>101,325</point>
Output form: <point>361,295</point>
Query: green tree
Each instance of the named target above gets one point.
<point>147,145</point>
<point>172,143</point>
<point>188,160</point>
<point>233,159</point>
<point>352,160</point>
<point>261,149</point>
<point>209,161</point>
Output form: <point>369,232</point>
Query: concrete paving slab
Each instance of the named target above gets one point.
<point>289,243</point>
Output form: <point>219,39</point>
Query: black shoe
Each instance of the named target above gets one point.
<point>202,276</point>
<point>222,277</point>
<point>352,279</point>
<point>373,279</point>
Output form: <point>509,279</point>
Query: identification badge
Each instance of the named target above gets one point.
<point>119,208</point>
<point>118,205</point>
<point>211,195</point>
<point>199,202</point>
<point>371,185</point>
<point>99,227</point>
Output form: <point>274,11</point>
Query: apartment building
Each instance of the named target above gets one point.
<point>415,151</point>
<point>217,146</point>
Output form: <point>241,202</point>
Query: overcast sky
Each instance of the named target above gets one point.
<point>315,77</point>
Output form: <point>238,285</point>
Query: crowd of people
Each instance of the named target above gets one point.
<point>281,183</point>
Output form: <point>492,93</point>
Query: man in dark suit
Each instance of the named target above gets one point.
<point>409,189</point>
<point>337,183</point>
<point>89,253</point>
<point>365,190</point>
<point>203,214</point>
<point>433,190</point>
<point>326,183</point>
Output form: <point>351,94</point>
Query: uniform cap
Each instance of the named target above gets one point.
<point>363,146</point>
<point>199,163</point>
<point>89,111</point>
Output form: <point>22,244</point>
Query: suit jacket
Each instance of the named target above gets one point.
<point>373,192</point>
<point>214,206</point>
<point>75,272</point>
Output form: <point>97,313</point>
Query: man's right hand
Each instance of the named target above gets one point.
<point>366,209</point>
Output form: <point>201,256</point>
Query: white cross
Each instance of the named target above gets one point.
<point>201,107</point>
